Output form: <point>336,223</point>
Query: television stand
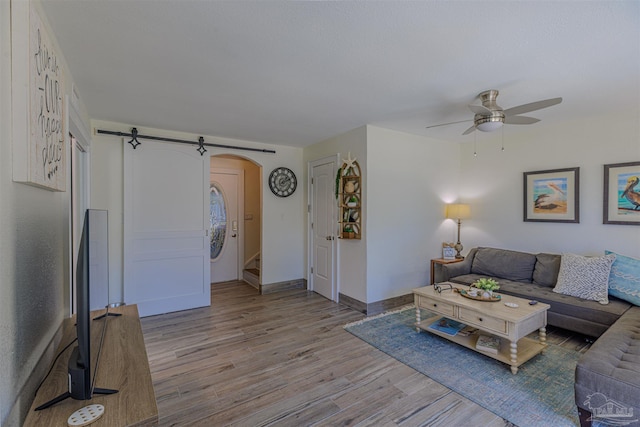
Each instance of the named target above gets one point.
<point>123,364</point>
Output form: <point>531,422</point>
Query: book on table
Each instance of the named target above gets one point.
<point>467,330</point>
<point>489,344</point>
<point>447,326</point>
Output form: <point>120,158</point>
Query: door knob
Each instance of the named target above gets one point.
<point>234,235</point>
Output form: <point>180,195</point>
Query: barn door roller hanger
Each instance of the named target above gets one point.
<point>134,135</point>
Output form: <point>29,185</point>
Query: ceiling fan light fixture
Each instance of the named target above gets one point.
<point>489,126</point>
<point>489,123</point>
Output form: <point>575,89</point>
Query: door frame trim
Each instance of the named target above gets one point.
<point>76,129</point>
<point>335,159</point>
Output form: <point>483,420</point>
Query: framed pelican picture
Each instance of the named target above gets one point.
<point>622,194</point>
<point>552,195</point>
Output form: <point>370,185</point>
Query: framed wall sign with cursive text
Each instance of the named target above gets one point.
<point>38,101</point>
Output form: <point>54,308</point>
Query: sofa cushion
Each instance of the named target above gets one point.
<point>501,263</point>
<point>546,270</point>
<point>566,304</point>
<point>585,277</point>
<point>624,279</point>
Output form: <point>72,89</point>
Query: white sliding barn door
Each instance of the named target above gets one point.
<point>166,222</point>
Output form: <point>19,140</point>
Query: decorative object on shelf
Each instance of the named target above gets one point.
<point>490,344</point>
<point>282,182</point>
<point>622,194</point>
<point>349,187</point>
<point>86,415</point>
<point>552,195</point>
<point>486,287</point>
<point>458,211</point>
<point>349,165</point>
<point>348,232</point>
<point>447,326</point>
<point>448,250</point>
<point>475,296</point>
<point>443,287</point>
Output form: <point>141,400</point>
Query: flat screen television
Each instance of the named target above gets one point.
<point>92,259</point>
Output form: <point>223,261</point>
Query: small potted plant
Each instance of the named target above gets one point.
<point>352,202</point>
<point>347,232</point>
<point>487,286</point>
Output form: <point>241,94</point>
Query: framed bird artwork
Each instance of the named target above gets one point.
<point>552,195</point>
<point>622,194</point>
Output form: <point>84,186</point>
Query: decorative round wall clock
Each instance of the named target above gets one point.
<point>282,182</point>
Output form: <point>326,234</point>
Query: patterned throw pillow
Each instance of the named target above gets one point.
<point>585,277</point>
<point>624,280</point>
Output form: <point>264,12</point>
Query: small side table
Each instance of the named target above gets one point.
<point>441,261</point>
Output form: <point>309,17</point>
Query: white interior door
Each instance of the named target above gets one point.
<point>323,173</point>
<point>166,227</point>
<point>225,258</point>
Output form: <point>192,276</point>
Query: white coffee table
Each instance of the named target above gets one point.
<point>494,318</point>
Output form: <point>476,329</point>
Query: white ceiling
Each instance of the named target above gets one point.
<point>295,73</point>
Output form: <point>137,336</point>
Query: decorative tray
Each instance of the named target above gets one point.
<point>494,298</point>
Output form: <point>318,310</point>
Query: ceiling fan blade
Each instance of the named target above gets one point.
<point>520,120</point>
<point>471,129</point>
<point>526,108</point>
<point>445,124</point>
<point>480,109</point>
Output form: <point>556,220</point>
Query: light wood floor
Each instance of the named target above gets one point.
<point>284,359</point>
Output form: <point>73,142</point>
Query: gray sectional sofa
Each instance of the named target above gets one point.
<point>607,380</point>
<point>608,375</point>
<point>533,277</point>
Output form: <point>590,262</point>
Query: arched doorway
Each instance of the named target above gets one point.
<point>236,218</point>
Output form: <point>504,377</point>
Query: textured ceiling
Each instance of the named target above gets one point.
<point>295,73</point>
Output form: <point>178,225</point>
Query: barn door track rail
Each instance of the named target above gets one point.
<point>134,135</point>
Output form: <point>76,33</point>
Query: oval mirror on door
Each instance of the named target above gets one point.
<point>217,218</point>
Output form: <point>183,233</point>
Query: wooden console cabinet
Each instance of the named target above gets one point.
<point>123,366</point>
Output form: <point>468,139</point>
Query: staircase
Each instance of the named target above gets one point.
<point>251,274</point>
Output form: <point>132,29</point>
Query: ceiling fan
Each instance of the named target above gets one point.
<point>490,116</point>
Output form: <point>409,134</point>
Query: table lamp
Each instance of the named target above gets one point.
<point>458,211</point>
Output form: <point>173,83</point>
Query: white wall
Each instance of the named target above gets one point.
<point>492,183</point>
<point>409,180</point>
<point>352,254</point>
<point>34,256</point>
<point>282,220</point>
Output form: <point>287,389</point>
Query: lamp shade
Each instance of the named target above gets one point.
<point>458,211</point>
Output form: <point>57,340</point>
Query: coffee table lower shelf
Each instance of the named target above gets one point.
<point>526,348</point>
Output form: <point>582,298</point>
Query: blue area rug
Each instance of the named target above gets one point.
<point>541,394</point>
